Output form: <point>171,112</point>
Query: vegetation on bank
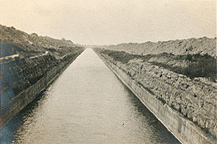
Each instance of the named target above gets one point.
<point>193,65</point>
<point>21,73</point>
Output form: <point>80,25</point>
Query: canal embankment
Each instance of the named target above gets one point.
<point>185,106</point>
<point>19,101</point>
<point>86,104</point>
<point>28,64</point>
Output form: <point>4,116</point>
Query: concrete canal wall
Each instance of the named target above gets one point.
<point>183,128</point>
<point>28,64</point>
<point>21,100</point>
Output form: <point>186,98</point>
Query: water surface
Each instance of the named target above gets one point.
<point>87,104</point>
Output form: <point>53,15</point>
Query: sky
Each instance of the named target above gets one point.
<point>100,22</point>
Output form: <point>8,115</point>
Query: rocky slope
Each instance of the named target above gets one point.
<point>156,94</point>
<point>185,80</point>
<point>25,59</point>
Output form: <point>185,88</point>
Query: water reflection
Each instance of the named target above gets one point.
<point>86,104</point>
<point>148,122</point>
<point>10,133</point>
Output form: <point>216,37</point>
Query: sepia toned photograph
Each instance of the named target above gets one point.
<point>108,72</point>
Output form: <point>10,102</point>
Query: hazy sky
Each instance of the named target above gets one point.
<point>112,21</point>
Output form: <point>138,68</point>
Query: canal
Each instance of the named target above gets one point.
<point>87,104</point>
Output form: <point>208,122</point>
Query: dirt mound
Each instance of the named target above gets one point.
<point>202,46</point>
<point>16,41</point>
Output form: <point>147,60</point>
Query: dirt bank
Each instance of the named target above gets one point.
<point>202,46</point>
<point>184,101</point>
<point>29,63</point>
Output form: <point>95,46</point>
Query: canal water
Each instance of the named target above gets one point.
<point>87,104</point>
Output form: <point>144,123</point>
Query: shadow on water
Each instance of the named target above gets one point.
<point>7,134</point>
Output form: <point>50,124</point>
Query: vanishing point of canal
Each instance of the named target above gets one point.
<point>87,104</point>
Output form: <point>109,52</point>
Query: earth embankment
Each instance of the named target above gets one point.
<point>184,85</point>
<point>29,63</point>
